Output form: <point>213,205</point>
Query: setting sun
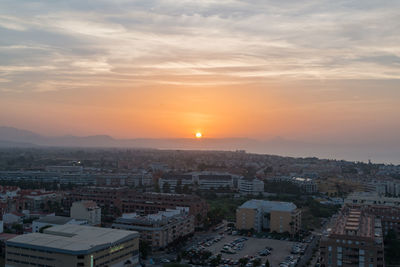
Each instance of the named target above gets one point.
<point>199,135</point>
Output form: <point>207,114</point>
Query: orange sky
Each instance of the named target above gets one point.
<point>306,70</point>
<point>223,111</point>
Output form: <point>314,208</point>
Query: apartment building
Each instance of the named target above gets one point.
<point>65,169</point>
<point>389,215</point>
<point>250,186</point>
<point>74,245</point>
<point>269,216</point>
<point>109,197</point>
<point>126,200</point>
<point>173,179</point>
<point>117,180</point>
<point>355,240</point>
<point>370,198</point>
<point>213,181</point>
<point>160,229</point>
<point>307,185</point>
<point>149,203</point>
<point>86,210</point>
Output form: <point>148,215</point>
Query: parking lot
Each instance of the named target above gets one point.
<point>251,247</point>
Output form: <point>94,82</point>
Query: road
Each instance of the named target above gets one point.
<point>308,253</point>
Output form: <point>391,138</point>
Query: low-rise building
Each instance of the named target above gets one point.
<point>160,229</point>
<point>48,221</point>
<point>250,186</point>
<point>86,210</point>
<point>215,181</point>
<point>269,216</point>
<point>13,217</point>
<point>174,179</point>
<point>307,185</point>
<point>65,169</point>
<point>74,245</point>
<point>127,200</point>
<point>371,198</point>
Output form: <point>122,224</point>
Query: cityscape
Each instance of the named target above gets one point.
<point>182,133</point>
<point>203,208</point>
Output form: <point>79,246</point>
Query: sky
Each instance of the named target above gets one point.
<point>312,70</point>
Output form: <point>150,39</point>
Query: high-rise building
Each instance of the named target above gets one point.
<point>355,240</point>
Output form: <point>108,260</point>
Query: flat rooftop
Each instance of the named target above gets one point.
<point>268,205</point>
<point>356,221</point>
<point>73,239</point>
<point>54,220</point>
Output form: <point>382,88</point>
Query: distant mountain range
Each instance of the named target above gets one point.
<point>13,137</point>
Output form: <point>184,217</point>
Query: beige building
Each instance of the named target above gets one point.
<point>160,229</point>
<point>74,245</point>
<point>268,216</point>
<point>86,210</point>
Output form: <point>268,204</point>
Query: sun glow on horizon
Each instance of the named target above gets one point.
<point>199,135</point>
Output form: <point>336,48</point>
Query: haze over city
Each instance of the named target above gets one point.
<point>323,72</point>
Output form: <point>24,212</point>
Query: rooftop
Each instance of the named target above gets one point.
<point>60,220</point>
<point>73,239</point>
<point>354,222</point>
<point>268,205</point>
<point>170,176</point>
<point>87,203</point>
<point>215,177</point>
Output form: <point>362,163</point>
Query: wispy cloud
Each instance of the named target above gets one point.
<point>196,42</point>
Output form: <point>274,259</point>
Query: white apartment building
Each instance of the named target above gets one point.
<point>250,187</point>
<point>370,198</point>
<point>306,184</point>
<point>213,180</point>
<point>86,210</point>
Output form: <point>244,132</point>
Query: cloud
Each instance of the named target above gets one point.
<point>196,42</point>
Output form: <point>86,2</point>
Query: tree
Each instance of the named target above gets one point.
<point>392,248</point>
<point>216,261</point>
<point>243,261</point>
<point>269,169</point>
<point>144,249</point>
<point>257,262</point>
<point>157,187</point>
<point>186,189</point>
<point>166,188</point>
<point>178,187</point>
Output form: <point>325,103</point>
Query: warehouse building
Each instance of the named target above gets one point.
<point>74,245</point>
